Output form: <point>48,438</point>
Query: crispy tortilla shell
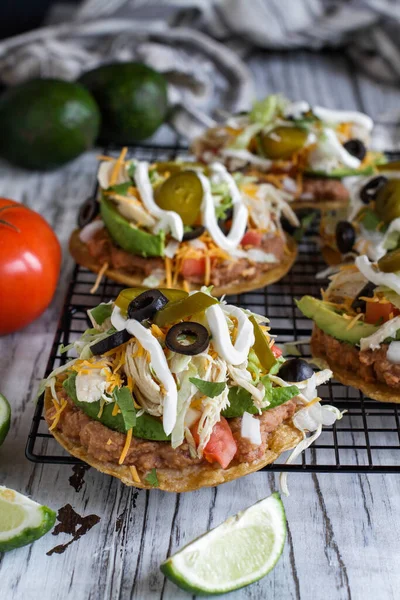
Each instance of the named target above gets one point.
<point>191,478</point>
<point>377,391</point>
<point>81,255</point>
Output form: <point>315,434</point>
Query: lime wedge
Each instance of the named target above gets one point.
<point>236,553</point>
<point>5,418</point>
<point>22,521</point>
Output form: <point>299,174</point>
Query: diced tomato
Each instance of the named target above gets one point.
<point>193,266</point>
<point>277,352</point>
<point>252,237</point>
<point>221,446</point>
<point>379,312</point>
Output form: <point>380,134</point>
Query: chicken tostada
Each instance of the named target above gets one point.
<point>304,149</point>
<point>180,391</point>
<point>357,326</point>
<point>370,224</point>
<point>182,225</point>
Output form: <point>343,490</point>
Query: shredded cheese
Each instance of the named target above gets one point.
<point>115,410</point>
<point>57,415</point>
<point>109,442</point>
<point>134,473</point>
<point>186,286</point>
<point>99,278</point>
<point>117,166</point>
<point>354,321</point>
<point>126,447</point>
<point>168,272</point>
<point>207,272</point>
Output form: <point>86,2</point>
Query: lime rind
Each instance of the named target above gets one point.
<point>225,559</point>
<point>32,520</point>
<point>5,418</point>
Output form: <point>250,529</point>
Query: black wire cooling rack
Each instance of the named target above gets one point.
<point>367,439</point>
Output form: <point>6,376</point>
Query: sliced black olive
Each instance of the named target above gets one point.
<point>295,369</point>
<point>370,190</point>
<point>194,233</point>
<point>367,292</point>
<point>287,226</point>
<point>356,148</point>
<point>110,342</point>
<point>146,305</point>
<point>187,338</point>
<point>345,236</point>
<point>223,223</point>
<point>88,211</point>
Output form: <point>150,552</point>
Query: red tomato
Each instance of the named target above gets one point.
<point>277,352</point>
<point>193,266</point>
<point>252,237</point>
<point>30,258</point>
<point>377,312</point>
<point>221,446</point>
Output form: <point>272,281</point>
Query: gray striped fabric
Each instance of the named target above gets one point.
<point>198,43</point>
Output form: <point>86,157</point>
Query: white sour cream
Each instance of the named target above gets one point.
<point>236,353</point>
<point>246,156</point>
<point>250,429</point>
<point>390,280</point>
<point>167,219</point>
<point>393,353</point>
<point>231,241</point>
<point>161,369</point>
<point>329,152</point>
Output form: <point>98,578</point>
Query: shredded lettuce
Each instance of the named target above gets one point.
<point>265,111</point>
<point>120,188</point>
<point>123,397</point>
<point>389,295</point>
<point>240,400</point>
<point>100,313</point>
<point>370,220</point>
<point>151,478</point>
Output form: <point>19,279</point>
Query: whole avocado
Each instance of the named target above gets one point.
<point>45,123</point>
<point>132,99</point>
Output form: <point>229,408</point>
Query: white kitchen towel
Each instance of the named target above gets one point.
<point>174,37</point>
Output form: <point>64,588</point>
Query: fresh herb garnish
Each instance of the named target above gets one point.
<point>305,224</point>
<point>120,188</point>
<point>370,220</point>
<point>208,388</point>
<point>241,401</point>
<point>123,397</point>
<point>151,478</point>
<point>101,312</point>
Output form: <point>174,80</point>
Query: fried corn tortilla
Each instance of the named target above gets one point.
<point>82,256</point>
<point>284,438</point>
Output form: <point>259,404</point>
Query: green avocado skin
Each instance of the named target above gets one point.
<point>46,123</point>
<point>132,99</point>
<point>332,323</point>
<point>147,427</point>
<point>131,239</point>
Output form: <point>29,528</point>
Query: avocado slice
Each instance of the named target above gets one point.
<point>128,237</point>
<point>332,323</point>
<point>147,427</point>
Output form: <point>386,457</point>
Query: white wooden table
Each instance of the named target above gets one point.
<point>343,537</point>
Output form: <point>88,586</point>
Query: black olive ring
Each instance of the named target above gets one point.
<point>295,369</point>
<point>370,190</point>
<point>345,236</point>
<point>146,305</point>
<point>356,148</point>
<point>194,233</point>
<point>87,212</point>
<point>187,329</point>
<point>110,342</point>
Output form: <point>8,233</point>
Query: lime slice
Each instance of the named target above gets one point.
<point>5,417</point>
<point>22,521</point>
<point>236,553</point>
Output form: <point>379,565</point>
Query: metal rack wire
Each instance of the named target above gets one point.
<point>367,439</point>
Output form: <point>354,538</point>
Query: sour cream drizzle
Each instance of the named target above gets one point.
<point>331,146</point>
<point>343,116</point>
<point>239,221</point>
<point>236,353</point>
<point>161,369</point>
<point>168,219</point>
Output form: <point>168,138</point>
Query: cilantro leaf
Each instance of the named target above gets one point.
<point>123,397</point>
<point>151,478</point>
<point>305,224</point>
<point>208,388</point>
<point>101,312</point>
<point>131,168</point>
<point>241,400</point>
<point>370,220</point>
<point>120,188</point>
